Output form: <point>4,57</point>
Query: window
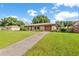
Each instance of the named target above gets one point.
<point>37,27</point>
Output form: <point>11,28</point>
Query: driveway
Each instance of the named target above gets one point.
<point>19,48</point>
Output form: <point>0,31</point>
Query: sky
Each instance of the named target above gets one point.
<point>27,11</point>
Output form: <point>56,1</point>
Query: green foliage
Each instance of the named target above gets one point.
<point>40,19</point>
<point>64,25</point>
<point>0,23</point>
<point>11,21</point>
<point>22,28</point>
<point>20,23</point>
<point>63,30</point>
<point>54,30</point>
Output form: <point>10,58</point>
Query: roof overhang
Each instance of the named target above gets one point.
<point>41,24</point>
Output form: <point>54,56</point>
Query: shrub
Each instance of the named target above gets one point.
<point>54,31</point>
<point>63,30</point>
<point>22,28</point>
<point>70,30</point>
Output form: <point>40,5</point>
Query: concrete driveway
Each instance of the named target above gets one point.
<point>19,48</point>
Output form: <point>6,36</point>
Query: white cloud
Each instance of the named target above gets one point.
<point>12,16</point>
<point>55,7</point>
<point>70,3</point>
<point>26,20</point>
<point>54,10</point>
<point>64,15</point>
<point>32,12</point>
<point>43,10</point>
<point>53,21</point>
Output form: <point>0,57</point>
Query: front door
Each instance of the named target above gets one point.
<point>48,28</point>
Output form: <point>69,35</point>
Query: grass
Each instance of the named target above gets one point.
<point>10,37</point>
<point>56,44</point>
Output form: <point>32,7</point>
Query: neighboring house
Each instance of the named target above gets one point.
<point>1,28</point>
<point>41,26</point>
<point>76,26</point>
<point>11,28</point>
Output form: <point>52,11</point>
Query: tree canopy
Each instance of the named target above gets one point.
<point>64,23</point>
<point>11,21</point>
<point>40,19</point>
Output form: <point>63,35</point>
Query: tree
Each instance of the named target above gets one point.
<point>11,21</point>
<point>20,23</point>
<point>0,22</point>
<point>65,25</point>
<point>40,19</point>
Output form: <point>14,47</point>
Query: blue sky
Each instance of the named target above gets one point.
<point>26,11</point>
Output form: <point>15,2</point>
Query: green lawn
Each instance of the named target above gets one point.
<point>9,37</point>
<point>56,44</point>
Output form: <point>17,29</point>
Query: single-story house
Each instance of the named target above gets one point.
<point>41,26</point>
<point>13,27</point>
<point>76,26</point>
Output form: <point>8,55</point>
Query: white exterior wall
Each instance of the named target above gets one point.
<point>53,27</point>
<point>32,28</point>
<point>42,28</point>
<point>18,28</point>
<point>1,28</point>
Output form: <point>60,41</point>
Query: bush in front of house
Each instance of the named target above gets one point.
<point>66,30</point>
<point>54,31</point>
<point>22,28</point>
<point>63,30</point>
<point>70,30</point>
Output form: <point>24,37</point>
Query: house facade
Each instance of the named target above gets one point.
<point>41,26</point>
<point>10,28</point>
<point>0,28</point>
<point>76,26</point>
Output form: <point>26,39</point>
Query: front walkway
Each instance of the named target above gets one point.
<point>22,46</point>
